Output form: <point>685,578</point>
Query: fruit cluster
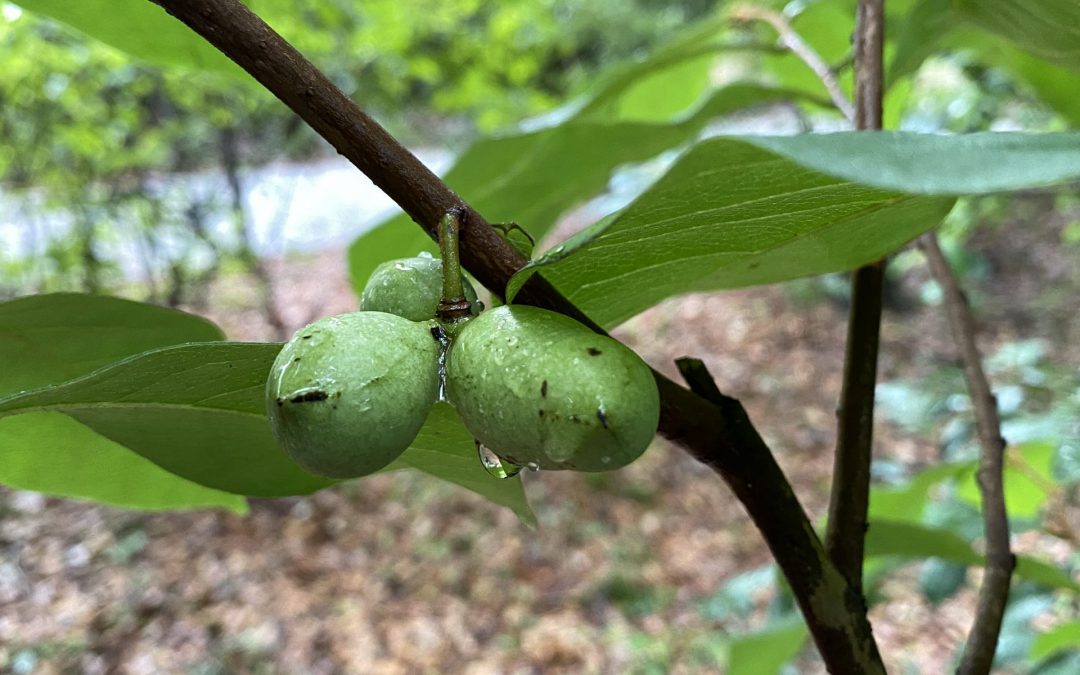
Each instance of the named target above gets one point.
<point>348,394</point>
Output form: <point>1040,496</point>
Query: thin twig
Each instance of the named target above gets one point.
<point>845,536</point>
<point>720,436</point>
<point>791,39</point>
<point>994,592</point>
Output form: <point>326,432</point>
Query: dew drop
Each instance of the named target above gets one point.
<point>495,466</point>
<point>402,266</point>
<point>532,466</point>
<point>425,254</point>
<point>605,460</point>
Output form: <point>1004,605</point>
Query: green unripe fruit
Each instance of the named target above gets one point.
<point>539,389</point>
<point>410,288</point>
<point>348,394</point>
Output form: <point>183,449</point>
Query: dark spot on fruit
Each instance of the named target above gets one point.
<point>309,396</point>
<point>306,337</point>
<point>543,389</point>
<point>280,402</point>
<point>337,394</point>
<point>541,413</point>
<point>602,417</point>
<point>593,351</point>
<point>296,360</point>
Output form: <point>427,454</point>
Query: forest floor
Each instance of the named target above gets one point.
<point>404,574</point>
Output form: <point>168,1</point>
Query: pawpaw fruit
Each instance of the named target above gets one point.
<point>540,389</point>
<point>348,394</point>
<point>410,288</point>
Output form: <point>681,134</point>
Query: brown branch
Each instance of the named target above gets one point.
<point>791,39</point>
<point>868,56</point>
<point>994,592</point>
<point>849,501</point>
<point>721,436</point>
<point>784,503</point>
<point>845,537</point>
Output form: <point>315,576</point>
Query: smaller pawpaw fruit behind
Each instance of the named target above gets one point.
<point>538,388</point>
<point>410,288</point>
<point>348,394</point>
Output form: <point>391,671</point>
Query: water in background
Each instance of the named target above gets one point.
<point>289,208</point>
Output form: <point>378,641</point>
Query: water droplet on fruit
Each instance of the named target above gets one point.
<point>425,254</point>
<point>605,460</point>
<point>404,267</point>
<point>495,466</point>
<point>532,466</point>
<point>444,343</point>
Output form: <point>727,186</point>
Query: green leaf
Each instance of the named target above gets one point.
<point>1063,637</point>
<point>1049,29</point>
<point>933,164</point>
<point>906,503</point>
<point>1044,573</point>
<point>52,453</point>
<point>910,540</point>
<point>754,210</point>
<point>48,339</point>
<point>533,178</point>
<point>198,411</point>
<point>1025,480</point>
<point>1052,83</point>
<point>661,96</point>
<point>139,28</point>
<point>767,651</point>
<point>729,214</point>
<point>918,35</point>
<point>622,92</point>
<point>445,449</point>
<point>918,541</point>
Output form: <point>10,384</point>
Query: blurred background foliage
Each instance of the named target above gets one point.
<point>89,133</point>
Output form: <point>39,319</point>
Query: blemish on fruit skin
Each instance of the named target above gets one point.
<point>593,351</point>
<point>296,360</point>
<point>306,337</point>
<point>543,389</point>
<point>309,396</point>
<point>602,417</point>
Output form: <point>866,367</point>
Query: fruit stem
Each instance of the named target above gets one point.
<point>453,306</point>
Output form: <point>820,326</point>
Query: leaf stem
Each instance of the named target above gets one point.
<point>453,305</point>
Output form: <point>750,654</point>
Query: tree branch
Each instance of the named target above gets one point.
<point>994,592</point>
<point>721,436</point>
<point>791,39</point>
<point>845,536</point>
<point>849,500</point>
